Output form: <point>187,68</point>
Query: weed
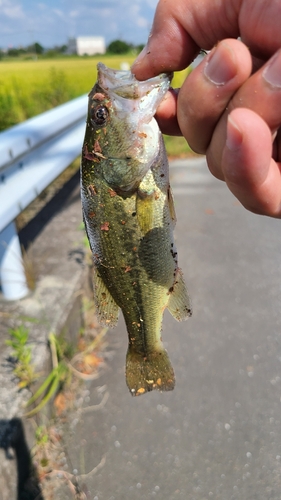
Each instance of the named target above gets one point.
<point>63,370</point>
<point>64,348</point>
<point>30,268</point>
<point>59,374</point>
<point>24,369</point>
<point>48,388</point>
<point>41,435</point>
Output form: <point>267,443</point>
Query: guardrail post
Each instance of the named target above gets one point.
<point>12,276</point>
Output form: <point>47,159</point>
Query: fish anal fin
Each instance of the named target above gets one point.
<point>179,303</point>
<point>148,373</point>
<point>107,309</point>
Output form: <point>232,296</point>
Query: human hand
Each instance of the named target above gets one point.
<point>229,107</point>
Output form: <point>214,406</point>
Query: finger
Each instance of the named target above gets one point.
<point>206,92</point>
<point>262,94</point>
<point>181,27</point>
<point>259,26</point>
<point>166,114</point>
<point>249,171</point>
<point>169,45</point>
<point>179,30</point>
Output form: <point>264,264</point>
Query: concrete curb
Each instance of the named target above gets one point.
<point>55,306</point>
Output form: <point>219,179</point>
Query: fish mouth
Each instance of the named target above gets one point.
<point>123,84</point>
<point>141,96</point>
<point>135,103</point>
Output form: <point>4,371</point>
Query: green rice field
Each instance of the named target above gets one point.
<point>30,87</point>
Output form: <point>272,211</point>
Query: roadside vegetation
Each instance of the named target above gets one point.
<point>33,80</point>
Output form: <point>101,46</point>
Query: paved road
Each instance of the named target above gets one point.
<point>218,434</point>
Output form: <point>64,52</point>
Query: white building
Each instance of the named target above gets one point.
<point>89,45</point>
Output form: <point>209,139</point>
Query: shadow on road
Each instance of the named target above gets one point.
<point>12,440</point>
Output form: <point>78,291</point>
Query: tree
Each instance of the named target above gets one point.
<point>14,52</point>
<point>38,48</point>
<point>35,47</point>
<point>119,47</point>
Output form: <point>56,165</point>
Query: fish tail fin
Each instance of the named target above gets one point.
<point>146,373</point>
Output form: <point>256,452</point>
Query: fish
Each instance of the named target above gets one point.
<point>129,218</point>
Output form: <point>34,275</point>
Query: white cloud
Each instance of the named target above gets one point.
<point>142,22</point>
<point>58,12</point>
<point>10,10</point>
<point>106,13</point>
<point>134,9</point>
<point>74,13</point>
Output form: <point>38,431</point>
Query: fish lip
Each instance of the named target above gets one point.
<point>131,97</point>
<point>124,83</point>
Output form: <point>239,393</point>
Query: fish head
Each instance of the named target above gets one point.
<point>122,133</point>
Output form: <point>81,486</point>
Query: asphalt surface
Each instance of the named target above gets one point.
<point>218,434</point>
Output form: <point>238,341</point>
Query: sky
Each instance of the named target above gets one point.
<point>52,22</point>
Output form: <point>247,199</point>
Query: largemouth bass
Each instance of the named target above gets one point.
<point>129,218</point>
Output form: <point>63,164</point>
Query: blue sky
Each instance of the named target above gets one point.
<point>51,22</point>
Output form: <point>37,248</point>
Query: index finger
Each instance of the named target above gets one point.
<point>180,28</point>
<point>169,47</point>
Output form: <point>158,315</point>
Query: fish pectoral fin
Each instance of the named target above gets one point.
<point>146,202</point>
<point>171,206</point>
<point>145,211</point>
<point>146,373</point>
<point>107,309</point>
<point>179,303</point>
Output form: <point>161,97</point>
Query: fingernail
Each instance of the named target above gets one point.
<point>272,72</point>
<point>220,67</point>
<point>234,136</point>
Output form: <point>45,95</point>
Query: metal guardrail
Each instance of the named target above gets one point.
<point>32,155</point>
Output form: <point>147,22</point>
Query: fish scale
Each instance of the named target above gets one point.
<point>129,218</point>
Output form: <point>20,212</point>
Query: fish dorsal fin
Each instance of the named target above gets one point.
<point>107,309</point>
<point>179,303</point>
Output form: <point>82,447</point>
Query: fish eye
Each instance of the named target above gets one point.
<point>99,115</point>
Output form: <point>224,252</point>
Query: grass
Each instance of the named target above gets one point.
<point>176,147</point>
<point>30,87</point>
<point>22,353</point>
